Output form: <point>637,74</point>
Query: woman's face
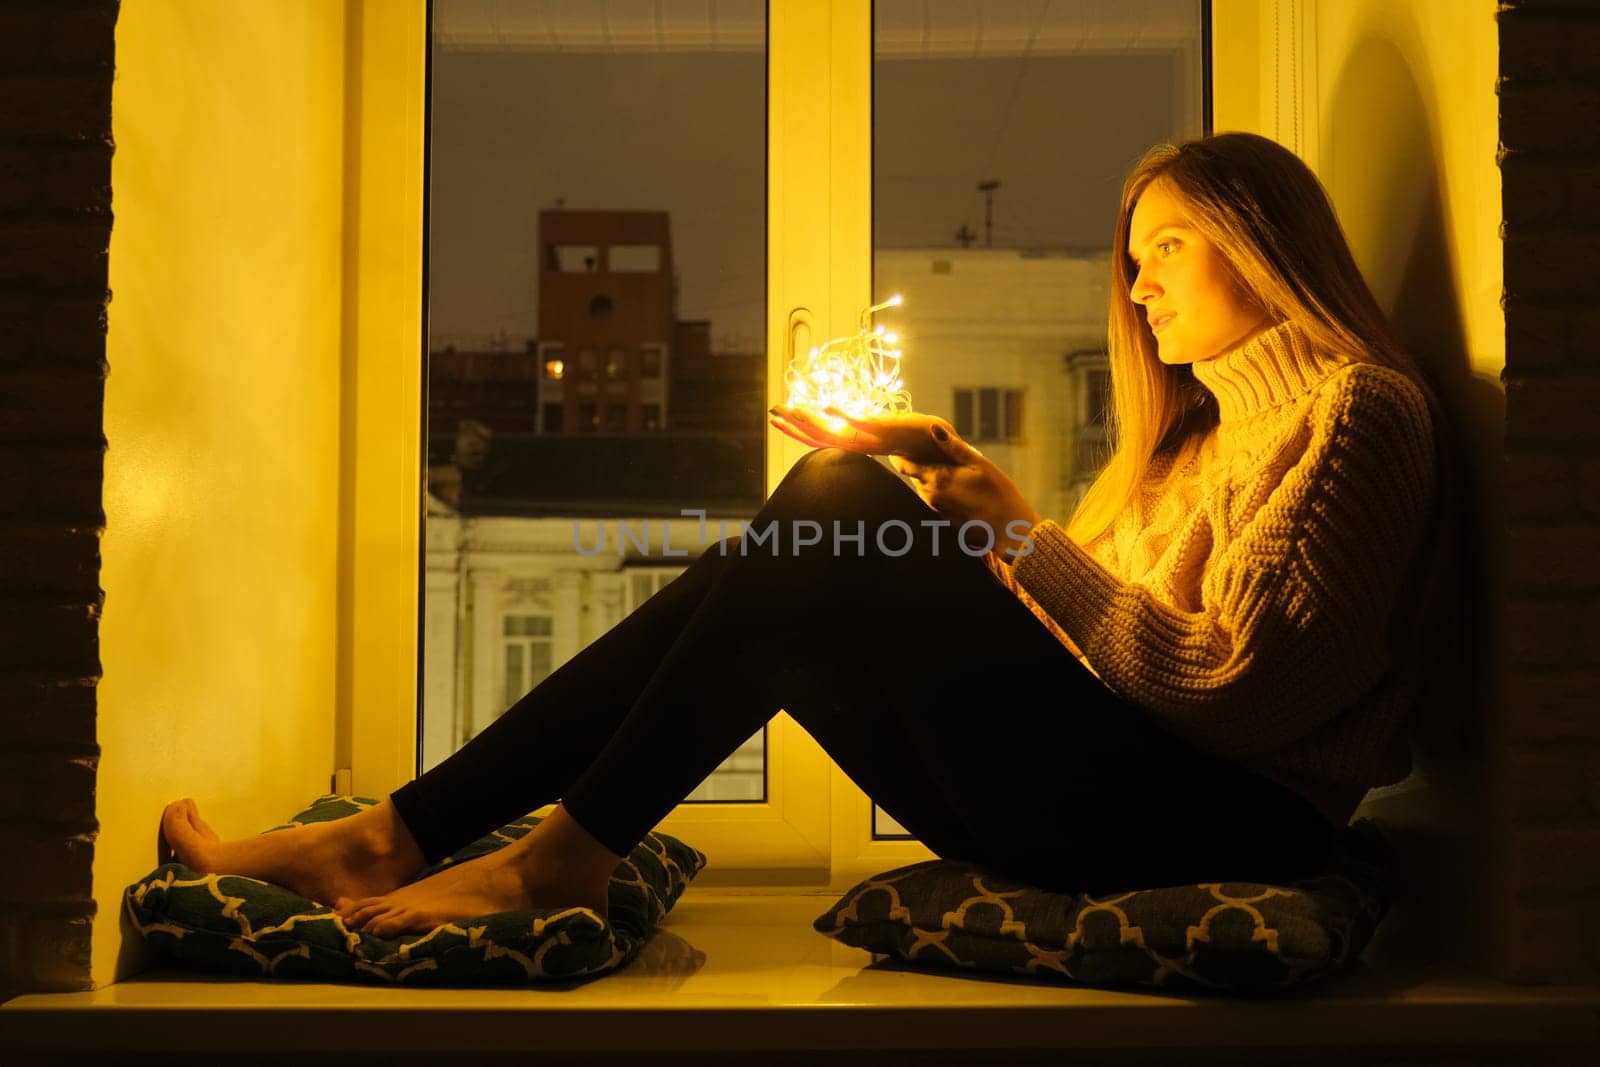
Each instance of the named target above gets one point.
<point>1190,300</point>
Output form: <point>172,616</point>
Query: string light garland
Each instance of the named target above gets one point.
<point>859,374</point>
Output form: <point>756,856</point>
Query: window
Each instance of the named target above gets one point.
<point>574,259</point>
<point>534,212</point>
<point>553,358</point>
<point>616,363</point>
<point>644,582</point>
<point>616,418</point>
<point>1096,397</point>
<point>635,259</point>
<point>988,414</point>
<point>527,654</point>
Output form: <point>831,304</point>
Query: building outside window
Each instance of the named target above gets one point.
<point>988,414</point>
<point>650,361</point>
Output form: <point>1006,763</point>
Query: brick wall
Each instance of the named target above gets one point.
<point>56,60</point>
<point>1550,167</point>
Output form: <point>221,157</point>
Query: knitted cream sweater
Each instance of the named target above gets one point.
<point>1246,600</point>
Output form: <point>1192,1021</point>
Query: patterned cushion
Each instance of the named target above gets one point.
<point>1237,937</point>
<point>242,926</point>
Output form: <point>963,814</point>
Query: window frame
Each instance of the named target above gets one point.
<point>819,275</point>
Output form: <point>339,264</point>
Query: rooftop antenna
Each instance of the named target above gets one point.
<point>987,189</point>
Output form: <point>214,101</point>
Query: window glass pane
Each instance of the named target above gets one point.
<point>574,259</point>
<point>988,414</point>
<point>1099,396</point>
<point>1002,132</point>
<point>962,415</point>
<point>538,663</point>
<point>632,259</point>
<point>1013,413</point>
<point>528,625</point>
<point>513,681</point>
<point>596,307</point>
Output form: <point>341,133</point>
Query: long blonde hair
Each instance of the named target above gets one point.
<point>1273,225</point>
<point>1275,228</point>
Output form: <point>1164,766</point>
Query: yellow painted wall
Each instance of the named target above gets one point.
<point>1400,120</point>
<point>1408,126</point>
<point>222,410</point>
<point>1401,124</point>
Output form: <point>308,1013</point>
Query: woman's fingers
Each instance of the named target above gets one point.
<point>791,430</point>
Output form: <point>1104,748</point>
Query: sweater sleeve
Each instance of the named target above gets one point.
<point>1293,621</point>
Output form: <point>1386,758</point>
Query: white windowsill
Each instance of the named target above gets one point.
<point>769,981</point>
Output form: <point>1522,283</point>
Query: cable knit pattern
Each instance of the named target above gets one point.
<point>1247,600</point>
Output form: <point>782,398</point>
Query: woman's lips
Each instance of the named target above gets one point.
<point>1161,320</point>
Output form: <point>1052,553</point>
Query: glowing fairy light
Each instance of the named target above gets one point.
<point>859,374</point>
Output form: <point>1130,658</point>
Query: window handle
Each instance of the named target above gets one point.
<point>800,334</point>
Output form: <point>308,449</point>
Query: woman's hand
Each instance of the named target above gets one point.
<point>909,435</point>
<point>951,476</point>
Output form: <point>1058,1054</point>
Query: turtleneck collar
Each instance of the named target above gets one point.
<point>1272,368</point>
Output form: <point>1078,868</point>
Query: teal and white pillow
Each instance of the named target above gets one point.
<point>1227,937</point>
<point>242,926</point>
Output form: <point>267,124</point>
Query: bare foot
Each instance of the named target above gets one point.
<point>556,865</point>
<point>365,854</point>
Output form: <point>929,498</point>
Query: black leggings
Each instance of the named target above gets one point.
<point>927,681</point>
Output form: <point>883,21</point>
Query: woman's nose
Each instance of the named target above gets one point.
<point>1143,289</point>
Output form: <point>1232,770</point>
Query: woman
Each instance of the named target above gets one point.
<point>1196,679</point>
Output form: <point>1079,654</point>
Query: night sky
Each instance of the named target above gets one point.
<point>685,132</point>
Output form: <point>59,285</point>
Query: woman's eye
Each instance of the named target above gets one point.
<point>1167,244</point>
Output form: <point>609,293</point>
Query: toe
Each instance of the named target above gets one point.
<point>364,913</point>
<point>405,922</point>
<point>202,827</point>
<point>386,925</point>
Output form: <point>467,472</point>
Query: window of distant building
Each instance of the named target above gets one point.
<point>586,361</point>
<point>617,363</point>
<point>572,259</point>
<point>600,306</point>
<point>555,364</point>
<point>645,582</point>
<point>1097,394</point>
<point>650,417</point>
<point>634,259</point>
<point>552,418</point>
<point>588,418</point>
<point>650,360</point>
<point>527,654</point>
<point>616,418</point>
<point>988,414</point>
